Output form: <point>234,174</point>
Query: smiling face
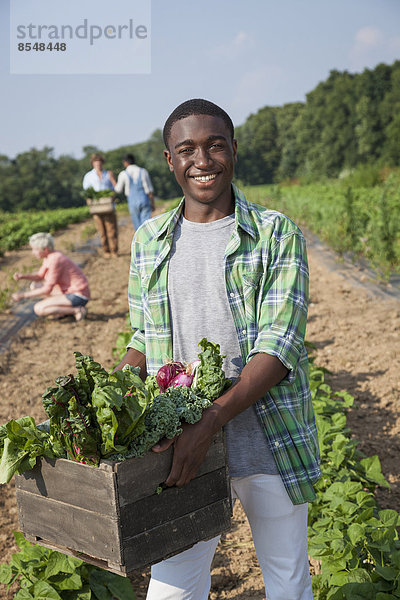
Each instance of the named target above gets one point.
<point>202,156</point>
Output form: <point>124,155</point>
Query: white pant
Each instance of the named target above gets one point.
<point>279,531</point>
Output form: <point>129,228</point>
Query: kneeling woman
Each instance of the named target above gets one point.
<point>59,279</point>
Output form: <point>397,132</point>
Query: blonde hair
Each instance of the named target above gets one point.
<point>42,240</point>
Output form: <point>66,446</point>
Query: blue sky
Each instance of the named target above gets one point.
<point>241,55</point>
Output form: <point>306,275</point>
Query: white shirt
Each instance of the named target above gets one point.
<point>91,179</point>
<point>134,171</point>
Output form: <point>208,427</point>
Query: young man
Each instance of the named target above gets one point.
<point>222,268</point>
<point>136,184</point>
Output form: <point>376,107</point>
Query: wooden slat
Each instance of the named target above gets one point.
<point>103,564</point>
<point>139,477</point>
<point>73,483</point>
<point>177,535</point>
<point>70,526</point>
<point>172,503</point>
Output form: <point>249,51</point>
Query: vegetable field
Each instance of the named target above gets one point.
<point>363,222</point>
<point>15,228</point>
<point>356,340</point>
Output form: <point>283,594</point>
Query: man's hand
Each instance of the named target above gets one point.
<point>135,359</point>
<point>18,276</point>
<point>190,449</point>
<point>152,203</point>
<point>112,178</point>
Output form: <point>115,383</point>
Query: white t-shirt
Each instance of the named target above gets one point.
<point>135,172</point>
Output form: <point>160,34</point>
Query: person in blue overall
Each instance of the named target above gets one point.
<point>135,182</point>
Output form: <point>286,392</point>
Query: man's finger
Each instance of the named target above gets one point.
<point>163,445</point>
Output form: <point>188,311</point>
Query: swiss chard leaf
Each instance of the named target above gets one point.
<point>22,446</point>
<point>210,379</point>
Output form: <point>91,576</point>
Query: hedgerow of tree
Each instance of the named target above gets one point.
<point>348,121</point>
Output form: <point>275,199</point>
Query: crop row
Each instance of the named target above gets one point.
<point>16,228</point>
<point>355,541</point>
<point>361,221</point>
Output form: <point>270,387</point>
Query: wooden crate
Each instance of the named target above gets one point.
<point>112,517</point>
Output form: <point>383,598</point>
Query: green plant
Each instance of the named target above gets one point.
<point>357,543</point>
<point>45,574</point>
<point>363,222</point>
<point>16,228</point>
<point>88,231</point>
<point>94,195</point>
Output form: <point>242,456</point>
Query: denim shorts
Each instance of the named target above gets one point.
<point>77,300</point>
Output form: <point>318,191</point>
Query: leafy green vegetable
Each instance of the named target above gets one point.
<point>21,443</point>
<point>357,544</point>
<point>166,412</point>
<point>210,380</point>
<point>44,574</point>
<point>72,422</point>
<point>93,195</point>
<point>119,409</point>
<point>96,414</point>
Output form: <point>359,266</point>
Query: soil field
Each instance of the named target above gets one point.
<point>355,330</point>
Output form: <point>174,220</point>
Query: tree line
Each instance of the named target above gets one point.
<point>348,120</point>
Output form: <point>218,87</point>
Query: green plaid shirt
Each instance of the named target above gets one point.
<point>266,277</point>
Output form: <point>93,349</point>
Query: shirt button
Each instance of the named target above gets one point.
<point>244,331</point>
<point>277,444</point>
<point>232,295</point>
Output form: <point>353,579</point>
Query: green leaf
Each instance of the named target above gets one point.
<point>6,573</point>
<point>351,488</point>
<point>11,459</point>
<point>395,557</point>
<point>58,563</point>
<point>337,547</point>
<point>44,591</point>
<point>372,467</point>
<point>20,540</point>
<point>389,517</point>
<point>23,594</point>
<point>358,591</point>
<point>121,588</point>
<point>356,533</point>
<point>387,573</point>
<point>383,596</point>
<point>365,515</point>
<point>83,594</point>
<point>107,585</point>
<point>100,591</point>
<point>340,578</point>
<point>358,576</point>
<point>67,582</point>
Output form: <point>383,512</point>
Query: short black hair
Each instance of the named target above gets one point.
<point>129,158</point>
<point>196,106</point>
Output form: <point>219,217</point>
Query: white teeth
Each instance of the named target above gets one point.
<point>204,178</point>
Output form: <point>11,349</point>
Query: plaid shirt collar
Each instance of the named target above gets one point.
<point>243,217</point>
